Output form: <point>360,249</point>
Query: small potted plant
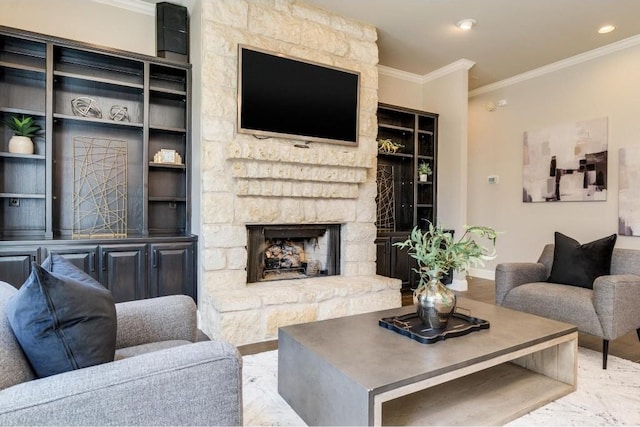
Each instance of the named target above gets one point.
<point>424,170</point>
<point>23,130</point>
<point>436,253</point>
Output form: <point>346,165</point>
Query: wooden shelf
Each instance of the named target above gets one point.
<point>383,153</point>
<point>401,128</point>
<point>22,156</point>
<point>96,121</point>
<point>21,196</point>
<point>166,166</point>
<point>98,80</point>
<point>22,67</point>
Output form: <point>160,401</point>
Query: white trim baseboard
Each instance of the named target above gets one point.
<point>482,273</point>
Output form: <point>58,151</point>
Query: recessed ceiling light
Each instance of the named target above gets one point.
<point>606,29</point>
<point>466,24</point>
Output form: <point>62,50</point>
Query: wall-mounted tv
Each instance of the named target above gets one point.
<point>280,96</point>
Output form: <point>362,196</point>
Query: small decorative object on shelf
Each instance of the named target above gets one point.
<point>388,146</point>
<point>436,253</point>
<point>119,113</point>
<point>23,130</point>
<point>167,157</point>
<point>424,170</point>
<point>86,107</point>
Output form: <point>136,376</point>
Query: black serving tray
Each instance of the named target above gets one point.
<point>411,326</point>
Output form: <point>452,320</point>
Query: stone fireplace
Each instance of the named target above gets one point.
<point>275,182</point>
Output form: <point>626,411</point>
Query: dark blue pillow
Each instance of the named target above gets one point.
<point>63,321</point>
<point>580,265</point>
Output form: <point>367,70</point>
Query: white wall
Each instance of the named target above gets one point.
<point>399,91</point>
<point>607,86</point>
<point>83,20</point>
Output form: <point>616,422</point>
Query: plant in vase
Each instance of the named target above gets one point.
<point>436,253</point>
<point>23,130</point>
<point>424,170</point>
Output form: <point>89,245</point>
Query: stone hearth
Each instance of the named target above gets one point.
<point>245,180</point>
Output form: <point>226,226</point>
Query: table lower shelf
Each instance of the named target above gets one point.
<point>493,396</point>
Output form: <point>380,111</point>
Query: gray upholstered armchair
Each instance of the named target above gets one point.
<point>609,310</point>
<point>172,380</point>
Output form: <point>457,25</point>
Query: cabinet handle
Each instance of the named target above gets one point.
<point>154,258</point>
<point>92,261</point>
<point>104,262</point>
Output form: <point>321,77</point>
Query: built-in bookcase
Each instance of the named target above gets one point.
<point>80,92</point>
<point>143,101</point>
<point>403,200</point>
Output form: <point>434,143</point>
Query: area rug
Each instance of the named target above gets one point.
<point>604,397</point>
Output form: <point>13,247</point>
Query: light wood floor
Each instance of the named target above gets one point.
<point>626,347</point>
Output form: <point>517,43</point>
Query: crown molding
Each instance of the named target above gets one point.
<point>137,6</point>
<point>559,65</point>
<point>399,74</point>
<point>461,64</point>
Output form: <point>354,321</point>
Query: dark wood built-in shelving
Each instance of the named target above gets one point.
<point>413,202</point>
<point>39,77</point>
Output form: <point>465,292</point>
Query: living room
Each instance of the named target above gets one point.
<point>476,142</point>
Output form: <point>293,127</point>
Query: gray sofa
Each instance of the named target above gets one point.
<point>172,380</point>
<point>610,310</point>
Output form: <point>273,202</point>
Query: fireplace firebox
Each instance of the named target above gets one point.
<point>282,252</point>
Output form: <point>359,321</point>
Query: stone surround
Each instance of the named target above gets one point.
<point>245,180</point>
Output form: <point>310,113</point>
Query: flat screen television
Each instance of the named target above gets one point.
<point>280,96</point>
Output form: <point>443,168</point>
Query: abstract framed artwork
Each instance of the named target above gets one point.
<point>99,188</point>
<point>629,189</point>
<point>566,162</point>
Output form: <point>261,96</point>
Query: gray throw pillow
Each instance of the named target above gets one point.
<point>63,322</point>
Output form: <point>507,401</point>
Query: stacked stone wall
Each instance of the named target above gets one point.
<point>246,180</point>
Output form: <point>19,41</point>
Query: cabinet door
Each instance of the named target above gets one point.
<point>172,269</point>
<point>15,264</point>
<point>83,257</point>
<point>383,256</point>
<point>402,264</point>
<point>124,271</point>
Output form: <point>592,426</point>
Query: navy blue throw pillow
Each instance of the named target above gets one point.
<point>63,322</point>
<point>579,265</point>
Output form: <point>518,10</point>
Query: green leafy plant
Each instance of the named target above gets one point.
<point>388,146</point>
<point>424,169</point>
<point>436,251</point>
<point>24,126</point>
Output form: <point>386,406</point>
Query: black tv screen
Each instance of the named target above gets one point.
<point>290,98</point>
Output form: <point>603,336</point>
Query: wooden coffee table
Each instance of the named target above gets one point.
<point>350,371</point>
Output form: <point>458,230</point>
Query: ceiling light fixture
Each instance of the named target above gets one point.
<point>606,29</point>
<point>466,24</point>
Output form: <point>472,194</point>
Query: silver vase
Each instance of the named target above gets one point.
<point>435,303</point>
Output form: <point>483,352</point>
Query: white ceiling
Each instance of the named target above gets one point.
<point>511,36</point>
